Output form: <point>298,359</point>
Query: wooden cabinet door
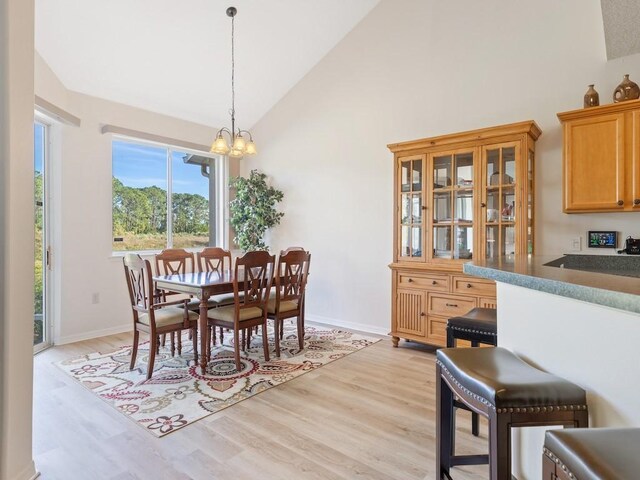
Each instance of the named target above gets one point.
<point>410,312</point>
<point>594,164</point>
<point>635,157</point>
<point>410,209</point>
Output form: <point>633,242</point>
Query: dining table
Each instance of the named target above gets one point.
<point>201,285</point>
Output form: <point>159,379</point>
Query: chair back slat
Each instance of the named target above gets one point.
<point>174,261</point>
<point>214,259</point>
<point>138,274</point>
<point>255,271</point>
<point>293,270</point>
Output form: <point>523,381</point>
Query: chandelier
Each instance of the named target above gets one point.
<point>237,146</point>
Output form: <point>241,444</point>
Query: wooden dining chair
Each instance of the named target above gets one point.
<point>175,261</point>
<point>152,316</point>
<point>216,259</point>
<point>252,280</point>
<point>291,276</point>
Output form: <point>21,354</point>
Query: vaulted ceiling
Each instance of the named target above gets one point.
<point>174,57</point>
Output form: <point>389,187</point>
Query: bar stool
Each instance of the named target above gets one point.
<point>477,326</point>
<point>507,391</point>
<point>592,454</point>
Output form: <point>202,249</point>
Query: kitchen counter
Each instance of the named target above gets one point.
<point>607,280</point>
<point>580,322</point>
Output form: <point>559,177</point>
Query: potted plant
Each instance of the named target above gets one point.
<point>253,210</point>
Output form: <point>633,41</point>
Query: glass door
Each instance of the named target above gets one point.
<point>411,208</point>
<point>41,337</point>
<point>453,207</point>
<point>500,200</point>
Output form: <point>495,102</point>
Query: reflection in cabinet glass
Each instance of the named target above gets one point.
<point>501,200</point>
<point>411,207</point>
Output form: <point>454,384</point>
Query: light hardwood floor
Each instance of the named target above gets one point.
<point>370,415</point>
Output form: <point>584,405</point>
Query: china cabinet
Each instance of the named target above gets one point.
<point>601,158</point>
<point>457,197</point>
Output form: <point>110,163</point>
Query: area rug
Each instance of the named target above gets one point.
<point>177,394</point>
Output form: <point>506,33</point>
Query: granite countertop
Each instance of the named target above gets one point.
<point>612,281</point>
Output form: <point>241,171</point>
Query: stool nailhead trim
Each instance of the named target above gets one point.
<point>558,462</point>
<point>484,401</point>
<point>479,398</point>
<point>471,330</point>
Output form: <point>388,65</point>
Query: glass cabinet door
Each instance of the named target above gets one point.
<point>411,208</point>
<point>453,207</point>
<point>500,204</point>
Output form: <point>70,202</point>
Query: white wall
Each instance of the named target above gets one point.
<point>16,238</point>
<point>413,69</point>
<point>580,348</point>
<point>81,207</point>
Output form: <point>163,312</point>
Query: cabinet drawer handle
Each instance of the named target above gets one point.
<point>483,204</point>
<point>409,280</point>
<point>469,285</point>
<point>452,304</point>
<point>433,282</point>
<point>422,314</point>
<point>621,202</point>
<point>636,201</point>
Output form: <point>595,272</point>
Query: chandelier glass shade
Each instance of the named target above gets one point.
<point>232,142</point>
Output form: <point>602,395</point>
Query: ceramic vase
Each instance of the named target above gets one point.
<point>627,90</point>
<point>591,98</point>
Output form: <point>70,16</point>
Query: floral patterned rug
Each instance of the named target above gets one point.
<point>177,394</point>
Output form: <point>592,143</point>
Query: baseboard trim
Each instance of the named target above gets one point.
<point>362,327</point>
<point>93,334</point>
<point>29,473</point>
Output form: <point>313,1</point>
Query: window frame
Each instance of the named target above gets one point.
<point>219,204</point>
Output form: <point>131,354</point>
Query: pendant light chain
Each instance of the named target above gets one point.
<point>233,78</point>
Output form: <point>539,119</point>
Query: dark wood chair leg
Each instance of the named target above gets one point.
<point>281,328</point>
<point>581,418</point>
<point>236,349</point>
<point>194,336</point>
<point>475,421</point>
<point>500,446</point>
<point>155,343</point>
<point>451,340</point>
<point>265,341</point>
<point>276,335</point>
<point>300,320</point>
<point>444,426</point>
<point>179,335</point>
<point>173,344</point>
<point>134,350</point>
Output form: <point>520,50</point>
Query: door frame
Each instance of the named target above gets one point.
<point>47,123</point>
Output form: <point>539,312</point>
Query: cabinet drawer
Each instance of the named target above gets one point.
<point>450,305</point>
<point>474,286</point>
<point>437,330</point>
<point>438,283</point>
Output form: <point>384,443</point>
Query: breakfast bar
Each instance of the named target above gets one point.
<point>578,317</point>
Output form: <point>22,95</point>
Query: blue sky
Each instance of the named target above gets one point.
<point>137,165</point>
<point>38,146</point>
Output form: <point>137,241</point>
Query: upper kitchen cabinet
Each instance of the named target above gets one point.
<point>601,158</point>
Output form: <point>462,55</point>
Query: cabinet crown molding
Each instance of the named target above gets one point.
<point>528,127</point>
<point>601,110</point>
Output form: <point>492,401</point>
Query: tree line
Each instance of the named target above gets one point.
<point>144,211</point>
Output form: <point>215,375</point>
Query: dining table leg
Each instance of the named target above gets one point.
<point>204,334</point>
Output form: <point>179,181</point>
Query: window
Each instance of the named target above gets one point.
<point>161,197</point>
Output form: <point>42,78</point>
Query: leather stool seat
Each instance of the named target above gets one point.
<point>502,380</point>
<point>595,453</point>
<point>510,393</point>
<point>477,320</point>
